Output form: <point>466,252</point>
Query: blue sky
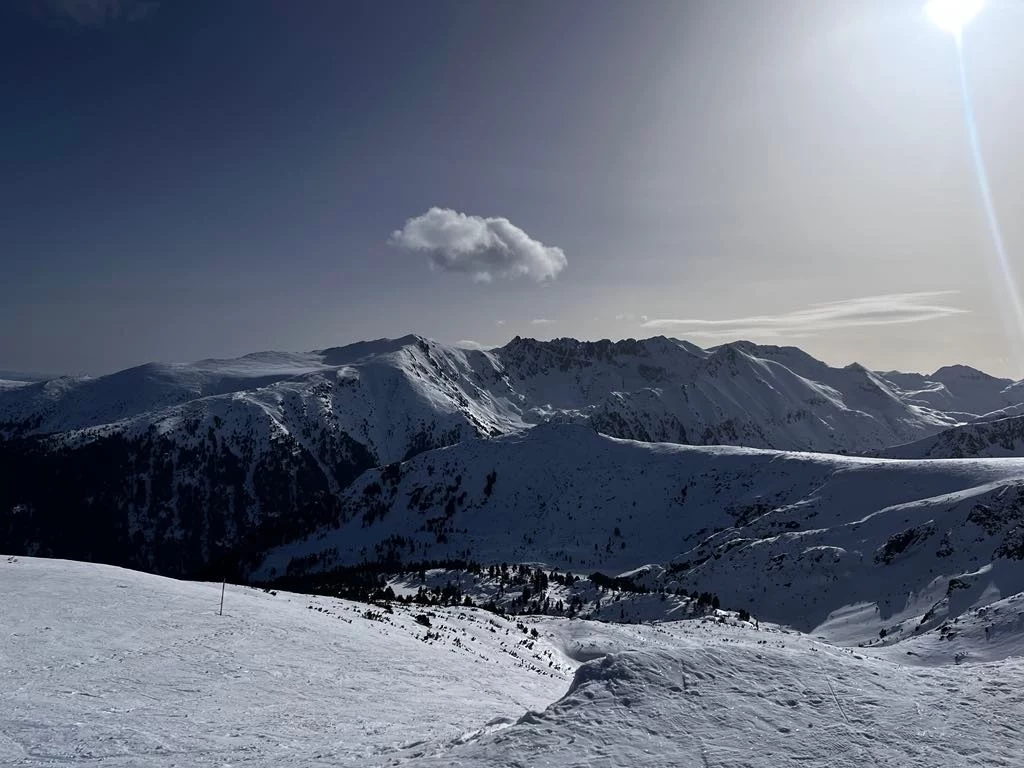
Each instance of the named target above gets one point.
<point>193,179</point>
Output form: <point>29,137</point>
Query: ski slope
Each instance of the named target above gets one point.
<point>115,667</point>
<point>112,667</point>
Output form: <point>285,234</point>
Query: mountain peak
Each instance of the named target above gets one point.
<point>363,349</point>
<point>964,372</point>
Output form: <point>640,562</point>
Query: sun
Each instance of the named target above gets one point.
<point>953,15</point>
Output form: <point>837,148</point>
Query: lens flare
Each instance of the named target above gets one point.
<point>1009,279</point>
<point>953,15</point>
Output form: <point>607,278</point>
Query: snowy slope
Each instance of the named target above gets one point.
<point>112,666</point>
<point>122,669</point>
<point>716,696</point>
<point>907,552</point>
<point>821,532</point>
<point>555,494</point>
<point>980,439</point>
<point>988,633</point>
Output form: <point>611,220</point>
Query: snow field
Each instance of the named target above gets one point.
<point>119,668</point>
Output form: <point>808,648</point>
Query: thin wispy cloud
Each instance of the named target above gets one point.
<point>888,309</point>
<point>540,321</point>
<point>91,13</point>
<point>485,248</point>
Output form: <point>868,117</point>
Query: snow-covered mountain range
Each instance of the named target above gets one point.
<point>188,469</point>
<point>824,563</point>
<point>383,393</point>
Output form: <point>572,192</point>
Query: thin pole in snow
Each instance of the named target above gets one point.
<point>222,585</point>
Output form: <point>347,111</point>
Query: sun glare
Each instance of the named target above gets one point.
<point>953,15</point>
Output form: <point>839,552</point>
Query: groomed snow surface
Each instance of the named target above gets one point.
<point>110,667</point>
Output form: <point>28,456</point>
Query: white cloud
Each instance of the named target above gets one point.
<point>500,322</point>
<point>625,316</point>
<point>540,321</point>
<point>93,13</point>
<point>486,248</point>
<point>888,309</point>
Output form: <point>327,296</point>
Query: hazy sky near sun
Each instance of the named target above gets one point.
<point>201,178</point>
